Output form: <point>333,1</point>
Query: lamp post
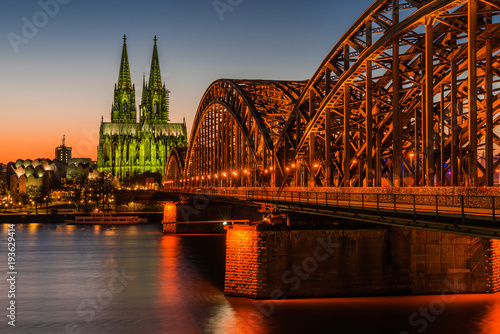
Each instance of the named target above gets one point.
<point>354,162</point>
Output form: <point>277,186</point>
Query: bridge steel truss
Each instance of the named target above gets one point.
<point>175,163</point>
<point>234,131</point>
<point>392,99</point>
<point>408,97</point>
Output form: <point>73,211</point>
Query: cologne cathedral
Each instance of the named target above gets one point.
<point>128,147</point>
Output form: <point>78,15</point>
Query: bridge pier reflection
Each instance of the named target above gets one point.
<point>317,256</point>
<point>277,262</point>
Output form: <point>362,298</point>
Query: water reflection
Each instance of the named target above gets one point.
<point>489,322</point>
<point>187,294</point>
<point>33,228</point>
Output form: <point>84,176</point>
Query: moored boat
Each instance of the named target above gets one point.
<point>106,219</point>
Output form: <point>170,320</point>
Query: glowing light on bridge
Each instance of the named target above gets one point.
<point>169,213</point>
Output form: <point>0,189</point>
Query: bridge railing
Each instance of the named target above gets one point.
<point>486,207</point>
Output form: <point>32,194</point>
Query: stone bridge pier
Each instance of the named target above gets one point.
<point>275,262</point>
<point>312,256</point>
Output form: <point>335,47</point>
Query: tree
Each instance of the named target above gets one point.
<point>80,191</point>
<point>34,193</point>
<point>101,189</point>
<point>3,188</point>
<point>38,195</point>
<point>22,199</point>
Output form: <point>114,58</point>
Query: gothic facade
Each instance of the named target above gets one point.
<point>127,146</point>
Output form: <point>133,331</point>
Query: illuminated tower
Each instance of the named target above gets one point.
<point>123,109</point>
<point>155,97</point>
<point>128,148</point>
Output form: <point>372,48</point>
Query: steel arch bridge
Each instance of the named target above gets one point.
<point>407,97</point>
<point>234,131</point>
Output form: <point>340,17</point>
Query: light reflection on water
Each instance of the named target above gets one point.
<point>134,279</point>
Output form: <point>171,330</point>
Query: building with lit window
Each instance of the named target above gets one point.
<point>63,152</point>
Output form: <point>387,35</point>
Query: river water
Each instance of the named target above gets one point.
<point>135,279</point>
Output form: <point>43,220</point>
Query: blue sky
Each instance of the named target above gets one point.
<point>61,79</point>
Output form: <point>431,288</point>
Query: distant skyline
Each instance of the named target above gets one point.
<point>60,59</point>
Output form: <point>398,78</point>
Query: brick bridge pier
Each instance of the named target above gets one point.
<point>315,256</point>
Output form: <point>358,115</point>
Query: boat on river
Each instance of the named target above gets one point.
<point>106,219</point>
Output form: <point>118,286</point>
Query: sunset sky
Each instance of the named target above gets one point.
<point>58,78</point>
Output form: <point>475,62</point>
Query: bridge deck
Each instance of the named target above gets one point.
<point>464,214</point>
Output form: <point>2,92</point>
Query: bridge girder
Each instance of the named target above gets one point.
<point>390,103</point>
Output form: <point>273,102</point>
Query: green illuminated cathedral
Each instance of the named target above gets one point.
<point>127,146</point>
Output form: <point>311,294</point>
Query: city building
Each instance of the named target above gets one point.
<point>129,147</point>
<point>80,166</point>
<point>39,172</point>
<point>63,152</point>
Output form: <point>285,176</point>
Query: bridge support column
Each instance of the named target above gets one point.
<point>428,120</point>
<point>276,262</point>
<point>328,148</point>
<point>347,137</point>
<point>397,131</point>
<point>472,92</point>
<point>378,160</point>
<point>455,128</point>
<point>488,85</point>
<point>312,169</point>
<point>369,111</point>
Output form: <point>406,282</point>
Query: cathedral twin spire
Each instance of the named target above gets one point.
<point>124,80</point>
<point>155,73</point>
<point>154,102</point>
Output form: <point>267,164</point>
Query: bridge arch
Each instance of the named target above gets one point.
<point>234,131</point>
<point>174,169</point>
<point>364,117</point>
<point>391,104</point>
